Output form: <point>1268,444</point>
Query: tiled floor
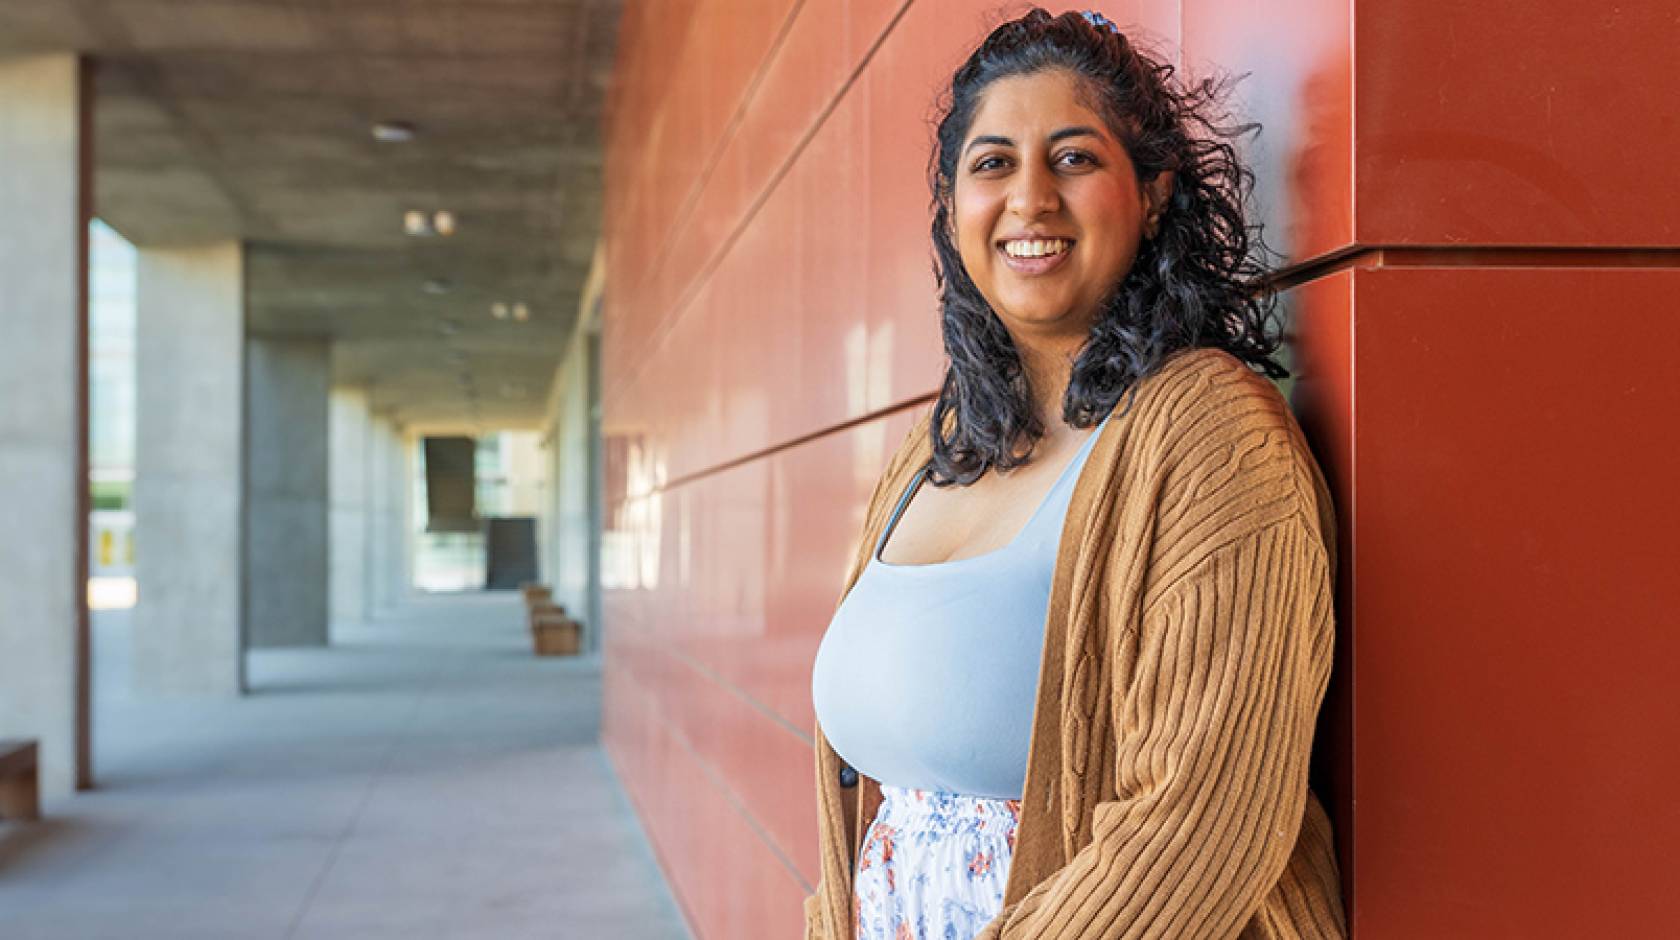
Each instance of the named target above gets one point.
<point>423,777</point>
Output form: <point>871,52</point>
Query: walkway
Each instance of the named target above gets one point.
<point>424,777</point>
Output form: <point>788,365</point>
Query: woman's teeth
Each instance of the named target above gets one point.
<point>1036,247</point>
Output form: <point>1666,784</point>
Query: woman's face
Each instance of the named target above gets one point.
<point>1047,208</point>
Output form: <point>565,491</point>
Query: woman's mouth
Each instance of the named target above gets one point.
<point>1034,256</point>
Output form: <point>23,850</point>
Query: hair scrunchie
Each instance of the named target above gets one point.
<point>1099,21</point>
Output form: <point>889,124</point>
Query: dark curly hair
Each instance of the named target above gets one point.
<point>1197,282</point>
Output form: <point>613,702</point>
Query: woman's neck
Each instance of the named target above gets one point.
<point>1049,369</point>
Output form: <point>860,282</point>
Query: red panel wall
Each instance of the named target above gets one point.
<point>1489,409</point>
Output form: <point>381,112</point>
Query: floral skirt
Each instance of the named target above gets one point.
<point>933,865</point>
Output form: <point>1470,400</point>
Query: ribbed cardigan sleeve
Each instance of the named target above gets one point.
<point>1214,719</point>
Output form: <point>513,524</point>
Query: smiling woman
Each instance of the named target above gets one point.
<point>1049,216</point>
<point>1070,689</point>
<point>1061,127</point>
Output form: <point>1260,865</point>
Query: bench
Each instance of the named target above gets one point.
<point>552,632</point>
<point>556,635</point>
<point>20,790</point>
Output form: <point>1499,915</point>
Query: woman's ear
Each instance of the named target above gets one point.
<point>1156,194</point>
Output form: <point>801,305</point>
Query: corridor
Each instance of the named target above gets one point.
<point>424,776</point>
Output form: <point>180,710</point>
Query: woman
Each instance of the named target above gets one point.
<point>1071,687</point>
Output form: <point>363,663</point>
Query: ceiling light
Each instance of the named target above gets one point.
<point>419,223</point>
<point>499,310</point>
<point>436,285</point>
<point>393,132</point>
<point>521,312</point>
<point>449,327</point>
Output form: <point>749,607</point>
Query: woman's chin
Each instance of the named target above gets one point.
<point>1040,313</point>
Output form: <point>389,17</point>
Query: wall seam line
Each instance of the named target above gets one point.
<point>680,220</point>
<point>729,794</point>
<point>668,323</point>
<point>773,449</point>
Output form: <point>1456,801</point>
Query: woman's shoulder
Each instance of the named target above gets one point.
<point>1200,379</point>
<point>1199,403</point>
<point>1209,423</point>
<point>1200,394</point>
<point>1205,397</point>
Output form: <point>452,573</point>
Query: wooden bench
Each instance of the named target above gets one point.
<point>535,593</point>
<point>20,789</point>
<point>552,632</point>
<point>556,635</point>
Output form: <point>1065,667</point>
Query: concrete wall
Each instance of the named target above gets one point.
<point>349,432</point>
<point>43,418</point>
<point>286,492</point>
<point>189,464</point>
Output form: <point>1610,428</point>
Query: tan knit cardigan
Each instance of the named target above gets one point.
<point>1187,648</point>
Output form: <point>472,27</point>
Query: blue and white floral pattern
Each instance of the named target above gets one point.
<point>933,865</point>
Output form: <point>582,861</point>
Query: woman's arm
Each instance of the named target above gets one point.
<point>1214,729</point>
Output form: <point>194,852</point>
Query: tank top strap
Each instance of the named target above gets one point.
<point>1058,490</point>
<point>898,510</point>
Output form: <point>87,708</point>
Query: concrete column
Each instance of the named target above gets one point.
<point>572,546</point>
<point>393,573</point>
<point>286,492</point>
<point>189,455</point>
<point>350,434</point>
<point>44,211</point>
<point>373,601</point>
<point>548,517</point>
<point>402,513</point>
<point>386,539</point>
<point>573,572</point>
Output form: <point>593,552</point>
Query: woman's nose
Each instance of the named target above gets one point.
<point>1033,193</point>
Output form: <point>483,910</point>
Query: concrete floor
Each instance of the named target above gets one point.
<point>424,777</point>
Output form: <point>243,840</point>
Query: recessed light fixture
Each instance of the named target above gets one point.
<point>393,132</point>
<point>437,285</point>
<point>499,310</point>
<point>449,327</point>
<point>521,312</point>
<point>421,224</point>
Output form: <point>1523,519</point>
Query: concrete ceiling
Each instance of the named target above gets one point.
<point>252,119</point>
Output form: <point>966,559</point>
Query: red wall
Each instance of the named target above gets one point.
<point>1478,204</point>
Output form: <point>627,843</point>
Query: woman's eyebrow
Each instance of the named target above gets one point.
<point>1063,134</point>
<point>988,139</point>
<point>1080,131</point>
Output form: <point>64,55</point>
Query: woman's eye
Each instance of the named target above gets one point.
<point>987,164</point>
<point>1078,156</point>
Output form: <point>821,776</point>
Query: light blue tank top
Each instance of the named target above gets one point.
<point>927,674</point>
